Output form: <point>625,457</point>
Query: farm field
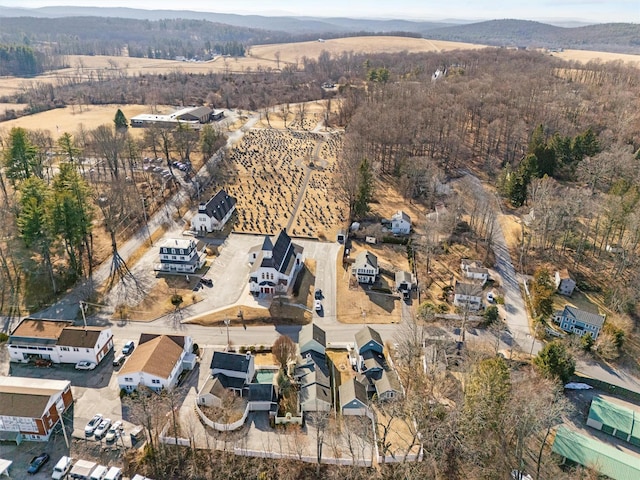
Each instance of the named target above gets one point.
<point>585,56</point>
<point>61,120</point>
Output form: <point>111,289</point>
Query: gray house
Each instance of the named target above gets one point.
<point>404,282</point>
<point>234,370</point>
<point>354,399</point>
<point>312,338</point>
<point>564,283</point>
<point>574,320</point>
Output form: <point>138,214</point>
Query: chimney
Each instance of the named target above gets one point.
<point>248,355</point>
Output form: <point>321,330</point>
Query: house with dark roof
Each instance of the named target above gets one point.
<point>190,116</point>
<point>213,215</point>
<point>181,256</point>
<point>234,370</point>
<point>275,265</point>
<point>365,268</point>
<point>312,338</point>
<point>58,341</point>
<point>564,283</point>
<point>353,398</point>
<point>400,223</point>
<point>314,379</point>
<point>157,362</point>
<point>574,320</point>
<point>30,409</point>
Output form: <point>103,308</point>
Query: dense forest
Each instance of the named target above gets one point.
<point>20,60</point>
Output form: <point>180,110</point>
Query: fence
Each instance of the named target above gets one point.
<point>223,427</point>
<point>184,442</point>
<point>303,458</point>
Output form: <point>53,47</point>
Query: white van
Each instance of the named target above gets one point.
<point>62,468</point>
<point>98,473</point>
<point>114,473</point>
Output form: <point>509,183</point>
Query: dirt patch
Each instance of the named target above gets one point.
<point>512,230</point>
<point>158,301</point>
<point>340,359</point>
<point>358,303</point>
<point>265,360</point>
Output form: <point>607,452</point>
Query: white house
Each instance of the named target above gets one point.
<point>467,295</point>
<point>564,283</point>
<point>181,256</point>
<point>157,362</point>
<point>365,268</point>
<point>405,282</point>
<point>275,266</point>
<point>474,270</point>
<point>400,223</point>
<point>58,341</point>
<point>214,214</point>
<point>31,408</point>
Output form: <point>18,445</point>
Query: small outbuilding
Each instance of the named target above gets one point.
<point>564,283</point>
<point>400,223</point>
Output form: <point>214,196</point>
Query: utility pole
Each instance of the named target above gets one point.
<point>144,213</point>
<point>227,322</point>
<point>83,309</point>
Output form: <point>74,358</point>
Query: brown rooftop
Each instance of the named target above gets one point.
<point>19,397</point>
<point>156,357</point>
<point>83,337</point>
<point>31,327</point>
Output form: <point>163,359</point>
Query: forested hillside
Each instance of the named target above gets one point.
<point>608,37</point>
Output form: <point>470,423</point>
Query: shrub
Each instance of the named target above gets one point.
<point>242,349</point>
<point>195,349</point>
<point>176,299</point>
<point>395,240</point>
<point>3,337</point>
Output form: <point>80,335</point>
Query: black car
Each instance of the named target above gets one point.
<point>206,281</point>
<point>318,294</point>
<point>37,462</point>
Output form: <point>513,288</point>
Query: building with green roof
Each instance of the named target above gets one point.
<point>615,417</point>
<point>592,453</point>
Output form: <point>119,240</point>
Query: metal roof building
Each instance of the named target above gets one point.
<point>605,459</point>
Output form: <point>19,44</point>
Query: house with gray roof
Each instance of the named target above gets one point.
<point>405,282</point>
<point>353,398</point>
<point>467,295</point>
<point>312,338</point>
<point>474,270</point>
<point>315,397</point>
<point>574,320</point>
<point>368,339</point>
<point>213,215</point>
<point>181,256</point>
<point>400,223</point>
<point>275,265</point>
<point>365,268</point>
<point>564,283</point>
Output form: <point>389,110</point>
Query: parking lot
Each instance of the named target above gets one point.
<point>94,391</point>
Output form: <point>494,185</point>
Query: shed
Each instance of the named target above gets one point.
<point>353,398</point>
<point>615,417</point>
<point>564,283</point>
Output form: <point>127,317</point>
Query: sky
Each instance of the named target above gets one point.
<point>596,11</point>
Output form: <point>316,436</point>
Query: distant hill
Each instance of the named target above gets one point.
<point>294,25</point>
<point>611,37</point>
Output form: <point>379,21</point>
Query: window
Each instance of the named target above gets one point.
<point>128,379</point>
<point>64,349</point>
<point>173,250</point>
<point>173,257</point>
<point>76,349</point>
<point>156,381</point>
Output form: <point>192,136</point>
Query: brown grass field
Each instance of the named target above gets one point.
<point>61,120</point>
<point>585,56</point>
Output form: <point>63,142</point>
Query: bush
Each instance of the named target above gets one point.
<point>3,337</point>
<point>555,361</point>
<point>123,393</point>
<point>242,349</point>
<point>195,349</point>
<point>176,299</point>
<point>395,240</point>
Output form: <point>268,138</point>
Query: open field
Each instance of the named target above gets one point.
<point>585,56</point>
<point>61,120</point>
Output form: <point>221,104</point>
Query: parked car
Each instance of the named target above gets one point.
<point>207,281</point>
<point>119,359</point>
<point>99,472</point>
<point>85,365</point>
<point>128,347</point>
<point>102,428</point>
<point>93,424</point>
<point>490,297</point>
<point>114,473</point>
<point>318,306</point>
<point>114,432</point>
<point>318,294</point>
<point>36,463</point>
<point>62,468</point>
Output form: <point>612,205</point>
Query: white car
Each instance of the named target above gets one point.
<point>102,428</point>
<point>93,424</point>
<point>318,305</point>
<point>84,365</point>
<point>114,432</point>
<point>490,297</point>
